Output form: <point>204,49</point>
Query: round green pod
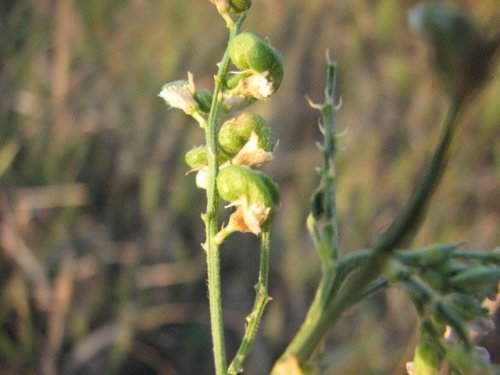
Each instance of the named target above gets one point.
<point>236,182</point>
<point>238,6</point>
<point>248,51</point>
<point>236,132</point>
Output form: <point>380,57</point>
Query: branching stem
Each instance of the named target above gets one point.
<point>331,299</point>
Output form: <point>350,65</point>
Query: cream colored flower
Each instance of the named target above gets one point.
<point>180,94</point>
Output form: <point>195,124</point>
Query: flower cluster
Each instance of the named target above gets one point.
<point>245,140</point>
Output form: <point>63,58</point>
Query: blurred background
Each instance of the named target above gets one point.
<point>101,269</point>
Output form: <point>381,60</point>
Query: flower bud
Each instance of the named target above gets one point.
<point>463,54</point>
<point>236,132</point>
<point>253,194</point>
<point>253,55</point>
<point>426,360</point>
<point>197,158</point>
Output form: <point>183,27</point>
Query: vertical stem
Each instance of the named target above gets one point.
<point>328,111</point>
<point>211,222</point>
<point>328,222</point>
<point>261,300</point>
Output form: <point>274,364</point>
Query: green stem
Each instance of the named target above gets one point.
<point>210,218</point>
<point>323,225</point>
<point>309,339</point>
<point>405,226</point>
<point>261,300</point>
<point>328,111</point>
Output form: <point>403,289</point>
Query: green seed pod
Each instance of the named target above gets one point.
<point>248,52</point>
<point>426,360</point>
<point>238,6</point>
<point>236,182</point>
<point>429,256</point>
<point>236,132</point>
<point>197,158</point>
<point>252,192</point>
<point>463,54</point>
<point>204,99</point>
<point>478,279</point>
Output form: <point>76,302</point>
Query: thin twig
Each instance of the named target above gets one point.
<point>261,300</point>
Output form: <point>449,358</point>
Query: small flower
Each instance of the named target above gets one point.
<point>202,178</point>
<point>252,154</point>
<point>258,86</point>
<point>183,94</point>
<point>180,94</point>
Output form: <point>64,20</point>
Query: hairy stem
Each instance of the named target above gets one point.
<point>261,300</point>
<point>210,217</point>
<point>329,175</point>
<point>322,222</point>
